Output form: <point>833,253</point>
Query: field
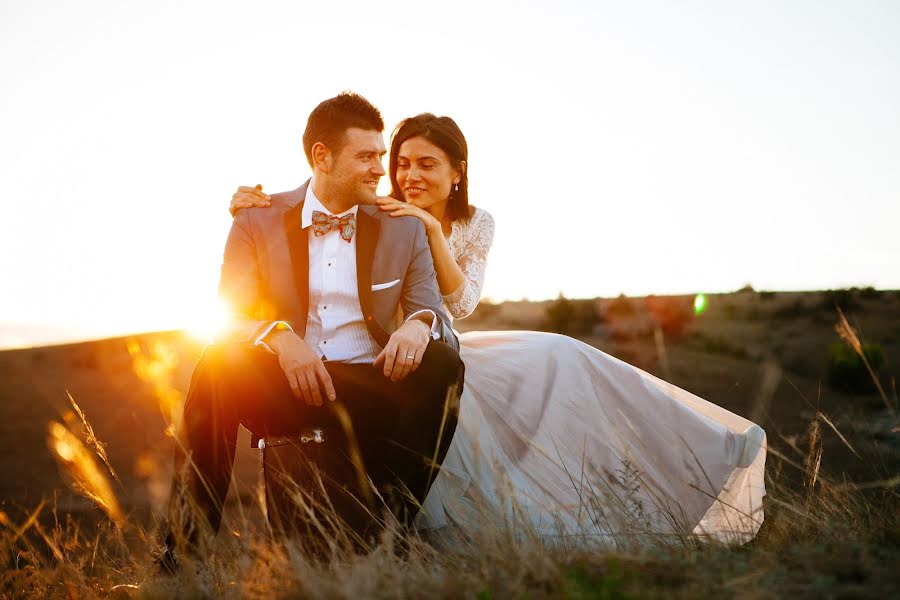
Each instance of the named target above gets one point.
<point>832,525</point>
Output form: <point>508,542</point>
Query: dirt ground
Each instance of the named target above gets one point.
<point>761,355</point>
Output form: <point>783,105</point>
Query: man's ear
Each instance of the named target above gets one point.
<point>322,157</point>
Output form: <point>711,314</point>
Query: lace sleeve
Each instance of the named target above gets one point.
<point>472,259</point>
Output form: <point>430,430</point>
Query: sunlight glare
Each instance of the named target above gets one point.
<point>209,322</point>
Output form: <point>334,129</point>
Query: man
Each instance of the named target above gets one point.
<point>339,315</point>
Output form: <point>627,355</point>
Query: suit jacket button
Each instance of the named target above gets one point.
<point>369,318</point>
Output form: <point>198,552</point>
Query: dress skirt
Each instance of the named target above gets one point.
<point>559,441</point>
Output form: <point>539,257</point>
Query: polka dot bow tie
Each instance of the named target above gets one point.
<point>322,223</point>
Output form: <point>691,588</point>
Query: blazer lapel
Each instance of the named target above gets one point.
<point>368,230</point>
<point>298,245</point>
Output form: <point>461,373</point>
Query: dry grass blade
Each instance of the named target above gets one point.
<point>848,334</point>
<point>814,458</point>
<point>29,522</point>
<point>846,442</point>
<point>868,485</point>
<point>91,439</point>
<point>355,455</point>
<point>79,463</point>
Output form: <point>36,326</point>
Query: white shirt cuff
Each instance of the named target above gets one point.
<point>267,330</point>
<point>435,330</point>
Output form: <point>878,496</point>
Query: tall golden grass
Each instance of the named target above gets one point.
<point>822,537</point>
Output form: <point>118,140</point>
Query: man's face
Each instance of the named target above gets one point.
<point>357,166</point>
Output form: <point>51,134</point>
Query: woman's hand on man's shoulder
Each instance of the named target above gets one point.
<point>246,197</point>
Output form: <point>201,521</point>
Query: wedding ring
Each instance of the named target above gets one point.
<point>408,357</point>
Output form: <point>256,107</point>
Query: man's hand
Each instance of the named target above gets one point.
<point>302,367</point>
<point>403,352</point>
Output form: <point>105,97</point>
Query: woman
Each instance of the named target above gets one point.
<point>556,438</point>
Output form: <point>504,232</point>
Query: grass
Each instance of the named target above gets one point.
<point>828,540</point>
<point>822,537</point>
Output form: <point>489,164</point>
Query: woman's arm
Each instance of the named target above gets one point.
<point>460,282</point>
<point>472,263</point>
<point>449,275</point>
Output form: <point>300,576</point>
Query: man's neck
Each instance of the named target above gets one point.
<point>329,200</point>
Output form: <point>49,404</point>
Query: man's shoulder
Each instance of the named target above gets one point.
<point>396,225</point>
<point>290,199</point>
<point>274,214</point>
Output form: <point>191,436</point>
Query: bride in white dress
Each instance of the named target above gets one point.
<point>555,438</point>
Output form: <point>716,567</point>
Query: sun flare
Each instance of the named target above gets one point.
<point>210,321</point>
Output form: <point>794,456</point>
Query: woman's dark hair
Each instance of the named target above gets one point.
<point>329,121</point>
<point>444,133</point>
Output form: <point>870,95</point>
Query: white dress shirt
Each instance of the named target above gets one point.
<point>335,326</point>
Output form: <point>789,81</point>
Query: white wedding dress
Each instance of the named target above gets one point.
<point>560,441</point>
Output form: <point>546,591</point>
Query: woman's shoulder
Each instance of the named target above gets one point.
<point>477,229</point>
<point>478,217</point>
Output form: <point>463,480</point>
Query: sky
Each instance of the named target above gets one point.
<point>640,147</point>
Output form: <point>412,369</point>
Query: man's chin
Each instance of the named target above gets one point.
<point>368,195</point>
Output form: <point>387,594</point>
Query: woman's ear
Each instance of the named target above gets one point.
<point>460,171</point>
<point>322,157</point>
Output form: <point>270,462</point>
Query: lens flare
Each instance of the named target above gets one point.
<point>87,477</point>
<point>210,323</point>
<point>700,304</point>
<point>157,369</point>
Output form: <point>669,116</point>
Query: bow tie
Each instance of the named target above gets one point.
<point>322,223</point>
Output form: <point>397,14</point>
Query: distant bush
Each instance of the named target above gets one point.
<point>717,345</point>
<point>729,310</point>
<point>792,310</point>
<point>766,295</point>
<point>870,293</point>
<point>570,317</point>
<point>845,299</point>
<point>799,365</point>
<point>846,370</point>
<point>620,307</point>
<point>485,310</point>
<point>675,315</point>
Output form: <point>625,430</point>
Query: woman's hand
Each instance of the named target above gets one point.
<point>398,208</point>
<point>245,197</point>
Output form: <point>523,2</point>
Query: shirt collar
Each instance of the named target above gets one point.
<point>312,203</point>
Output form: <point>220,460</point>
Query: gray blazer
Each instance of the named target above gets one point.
<point>265,270</point>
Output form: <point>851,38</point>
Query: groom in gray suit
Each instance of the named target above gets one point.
<point>338,315</point>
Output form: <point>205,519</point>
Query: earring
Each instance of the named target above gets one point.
<point>456,187</point>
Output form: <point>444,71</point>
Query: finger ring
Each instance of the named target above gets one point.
<point>408,357</point>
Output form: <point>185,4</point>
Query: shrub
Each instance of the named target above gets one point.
<point>484,311</point>
<point>846,370</point>
<point>793,310</point>
<point>845,299</point>
<point>570,316</point>
<point>766,295</point>
<point>620,307</point>
<point>870,293</point>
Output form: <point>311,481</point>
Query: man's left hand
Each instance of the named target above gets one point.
<point>403,352</point>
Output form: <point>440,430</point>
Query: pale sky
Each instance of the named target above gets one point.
<point>665,147</point>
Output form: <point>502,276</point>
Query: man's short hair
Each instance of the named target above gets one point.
<point>329,121</point>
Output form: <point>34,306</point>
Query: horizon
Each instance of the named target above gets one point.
<point>24,336</point>
<point>696,147</point>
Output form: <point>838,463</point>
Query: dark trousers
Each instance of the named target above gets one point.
<point>400,431</point>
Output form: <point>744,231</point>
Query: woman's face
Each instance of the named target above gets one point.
<point>424,173</point>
